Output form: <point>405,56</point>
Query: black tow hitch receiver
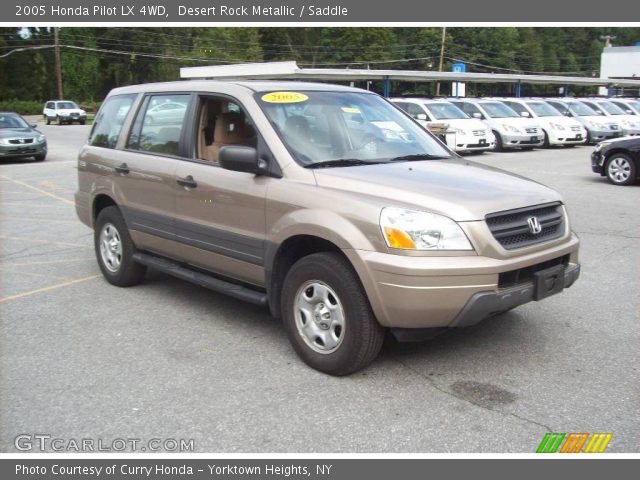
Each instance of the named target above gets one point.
<point>548,282</point>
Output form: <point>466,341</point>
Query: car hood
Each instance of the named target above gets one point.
<point>460,189</point>
<point>18,133</point>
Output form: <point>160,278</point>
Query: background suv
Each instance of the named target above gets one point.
<point>63,111</point>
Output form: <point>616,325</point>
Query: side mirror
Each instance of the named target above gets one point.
<point>568,113</point>
<point>525,114</point>
<point>33,125</point>
<point>421,116</point>
<point>239,158</point>
<point>477,115</point>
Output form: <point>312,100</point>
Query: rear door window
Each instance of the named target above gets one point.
<point>159,124</point>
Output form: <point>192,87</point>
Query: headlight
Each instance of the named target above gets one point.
<point>40,139</point>
<point>557,126</point>
<point>414,230</point>
<point>4,141</point>
<point>510,128</point>
<point>599,146</point>
<point>594,124</point>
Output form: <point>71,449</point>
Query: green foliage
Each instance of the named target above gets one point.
<point>23,107</point>
<point>95,60</point>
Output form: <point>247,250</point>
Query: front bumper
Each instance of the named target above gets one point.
<point>23,150</point>
<point>514,140</point>
<point>597,163</point>
<point>566,137</point>
<point>472,143</point>
<point>418,292</point>
<point>597,135</point>
<point>73,118</point>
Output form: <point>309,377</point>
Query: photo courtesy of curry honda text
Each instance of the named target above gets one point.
<point>327,204</point>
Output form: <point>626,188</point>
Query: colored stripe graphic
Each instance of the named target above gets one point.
<point>550,442</point>
<point>574,443</point>
<point>598,443</point>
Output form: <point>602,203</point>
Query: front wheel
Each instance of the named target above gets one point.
<point>327,315</point>
<point>41,157</point>
<point>114,249</point>
<point>499,146</point>
<point>621,169</point>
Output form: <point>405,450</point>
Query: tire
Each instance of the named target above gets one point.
<point>48,120</point>
<point>116,263</point>
<point>82,122</point>
<point>545,143</point>
<point>59,120</point>
<point>499,146</point>
<point>621,169</point>
<point>40,158</point>
<point>339,311</point>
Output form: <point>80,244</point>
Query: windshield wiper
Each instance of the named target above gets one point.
<point>419,156</point>
<point>341,162</point>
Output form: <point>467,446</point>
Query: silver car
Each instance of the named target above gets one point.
<point>598,128</point>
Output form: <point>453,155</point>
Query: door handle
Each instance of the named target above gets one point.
<point>123,168</point>
<point>187,182</point>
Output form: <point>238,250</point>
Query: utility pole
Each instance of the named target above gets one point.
<point>607,39</point>
<point>57,65</point>
<point>444,36</point>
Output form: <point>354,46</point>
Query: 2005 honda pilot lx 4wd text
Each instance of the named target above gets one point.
<point>326,203</point>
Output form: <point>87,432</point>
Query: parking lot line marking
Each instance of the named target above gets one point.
<point>41,165</point>
<point>44,192</point>
<point>32,205</point>
<point>33,240</point>
<point>51,220</point>
<point>49,288</point>
<point>57,277</point>
<point>48,262</point>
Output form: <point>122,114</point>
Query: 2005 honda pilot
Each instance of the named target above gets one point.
<point>326,203</point>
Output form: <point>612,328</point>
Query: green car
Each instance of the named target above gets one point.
<point>19,139</point>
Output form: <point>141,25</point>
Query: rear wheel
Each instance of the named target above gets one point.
<point>114,249</point>
<point>621,169</point>
<point>327,315</point>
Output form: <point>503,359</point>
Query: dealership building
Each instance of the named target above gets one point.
<point>621,63</point>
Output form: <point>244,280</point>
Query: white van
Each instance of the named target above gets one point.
<point>629,123</point>
<point>510,129</point>
<point>471,135</point>
<point>557,129</point>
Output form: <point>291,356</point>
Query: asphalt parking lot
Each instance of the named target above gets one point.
<point>80,358</point>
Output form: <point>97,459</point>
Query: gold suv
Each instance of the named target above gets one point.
<point>325,203</point>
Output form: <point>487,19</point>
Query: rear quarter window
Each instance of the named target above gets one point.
<point>108,123</point>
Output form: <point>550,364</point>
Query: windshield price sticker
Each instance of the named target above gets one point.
<point>284,97</point>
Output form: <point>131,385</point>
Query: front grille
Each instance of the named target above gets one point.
<point>478,133</point>
<point>531,130</point>
<point>511,228</point>
<point>526,274</point>
<point>575,128</point>
<point>22,150</point>
<point>20,141</point>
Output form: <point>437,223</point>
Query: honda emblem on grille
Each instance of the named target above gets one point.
<point>534,225</point>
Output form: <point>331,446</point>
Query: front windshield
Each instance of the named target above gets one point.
<point>445,111</point>
<point>12,121</point>
<point>581,109</point>
<point>498,110</point>
<point>611,108</point>
<point>542,109</point>
<point>634,104</point>
<point>67,105</point>
<point>346,128</point>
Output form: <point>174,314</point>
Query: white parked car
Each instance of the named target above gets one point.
<point>557,129</point>
<point>510,129</point>
<point>631,106</point>
<point>599,128</point>
<point>629,123</point>
<point>469,134</point>
<point>63,111</point>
